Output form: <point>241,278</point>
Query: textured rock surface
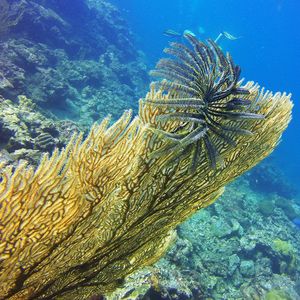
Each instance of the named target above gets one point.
<point>75,58</point>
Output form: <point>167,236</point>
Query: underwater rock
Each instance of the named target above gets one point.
<point>221,228</point>
<point>287,262</point>
<point>266,207</point>
<point>4,83</point>
<point>247,268</point>
<point>248,244</point>
<point>288,207</point>
<point>32,157</point>
<point>233,263</point>
<point>5,157</point>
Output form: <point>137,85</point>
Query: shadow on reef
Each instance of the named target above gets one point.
<point>75,58</point>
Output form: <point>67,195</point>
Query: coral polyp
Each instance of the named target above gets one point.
<point>206,97</point>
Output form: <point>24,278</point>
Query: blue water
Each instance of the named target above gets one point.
<point>268,51</point>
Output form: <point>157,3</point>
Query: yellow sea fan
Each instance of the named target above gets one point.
<point>107,205</point>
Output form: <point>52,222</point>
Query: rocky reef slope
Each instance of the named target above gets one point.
<point>76,58</point>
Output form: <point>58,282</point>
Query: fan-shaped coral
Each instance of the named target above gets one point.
<point>107,205</point>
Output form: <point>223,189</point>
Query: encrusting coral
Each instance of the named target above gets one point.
<point>107,205</point>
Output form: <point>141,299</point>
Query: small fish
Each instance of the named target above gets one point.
<point>296,221</point>
<point>230,36</point>
<point>172,33</point>
<point>227,35</point>
<point>175,34</point>
<point>187,31</point>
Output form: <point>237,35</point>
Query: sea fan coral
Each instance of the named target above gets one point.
<point>107,205</point>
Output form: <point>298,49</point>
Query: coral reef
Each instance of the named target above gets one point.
<point>266,207</point>
<point>105,205</point>
<point>287,206</point>
<point>75,58</point>
<point>26,131</point>
<point>286,249</point>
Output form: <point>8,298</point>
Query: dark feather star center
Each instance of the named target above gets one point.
<point>209,104</point>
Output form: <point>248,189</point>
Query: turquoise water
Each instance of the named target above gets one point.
<point>268,50</point>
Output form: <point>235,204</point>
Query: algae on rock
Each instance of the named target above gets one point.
<point>105,206</point>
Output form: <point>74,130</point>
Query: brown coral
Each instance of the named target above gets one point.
<point>103,207</point>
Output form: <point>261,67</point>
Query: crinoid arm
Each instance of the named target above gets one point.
<point>205,97</point>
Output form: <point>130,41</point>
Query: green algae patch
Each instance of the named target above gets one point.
<point>288,251</point>
<point>277,294</point>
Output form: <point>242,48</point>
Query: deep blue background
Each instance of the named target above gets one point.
<point>268,51</point>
